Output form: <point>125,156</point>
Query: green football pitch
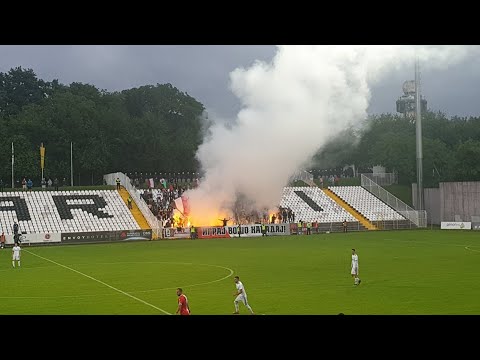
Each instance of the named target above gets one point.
<point>402,272</point>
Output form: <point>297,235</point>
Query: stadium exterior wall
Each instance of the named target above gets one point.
<point>460,201</point>
<point>432,203</point>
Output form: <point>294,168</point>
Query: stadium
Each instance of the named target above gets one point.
<point>285,228</point>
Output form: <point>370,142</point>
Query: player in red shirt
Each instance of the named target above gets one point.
<point>183,307</point>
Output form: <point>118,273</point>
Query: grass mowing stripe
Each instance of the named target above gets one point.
<point>101,282</point>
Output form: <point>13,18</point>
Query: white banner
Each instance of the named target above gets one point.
<point>251,230</point>
<point>457,225</point>
<point>34,238</point>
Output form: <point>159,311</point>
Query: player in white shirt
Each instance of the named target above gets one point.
<point>354,271</point>
<point>16,254</point>
<point>241,295</point>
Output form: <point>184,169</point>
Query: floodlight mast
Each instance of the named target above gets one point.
<point>420,199</point>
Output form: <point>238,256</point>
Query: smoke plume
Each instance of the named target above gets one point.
<point>290,108</point>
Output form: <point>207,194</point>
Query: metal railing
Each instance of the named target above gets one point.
<point>382,179</point>
<point>419,218</point>
<point>326,227</point>
<point>302,175</point>
<point>125,181</point>
<point>394,224</point>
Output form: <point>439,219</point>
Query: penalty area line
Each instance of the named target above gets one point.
<point>101,282</point>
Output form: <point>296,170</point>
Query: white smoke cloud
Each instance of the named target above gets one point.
<point>290,108</point>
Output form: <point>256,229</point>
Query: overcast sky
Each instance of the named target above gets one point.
<point>203,72</point>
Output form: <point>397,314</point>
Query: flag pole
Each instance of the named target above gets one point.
<point>71,163</point>
<point>13,160</point>
<point>42,157</point>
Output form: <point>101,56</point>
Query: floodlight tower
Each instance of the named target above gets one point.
<point>420,200</point>
<point>406,104</point>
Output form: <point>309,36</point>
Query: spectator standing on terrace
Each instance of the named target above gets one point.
<point>29,184</point>
<point>44,184</point>
<point>224,221</point>
<point>15,232</point>
<point>118,183</point>
<point>49,182</point>
<point>24,184</point>
<point>1,185</point>
<point>273,218</point>
<point>55,183</point>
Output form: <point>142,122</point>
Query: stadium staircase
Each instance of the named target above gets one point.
<point>367,224</point>
<point>137,214</point>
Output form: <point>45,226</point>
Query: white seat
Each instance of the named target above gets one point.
<point>45,217</point>
<point>366,203</point>
<point>331,211</point>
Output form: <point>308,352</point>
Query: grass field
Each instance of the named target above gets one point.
<point>402,272</point>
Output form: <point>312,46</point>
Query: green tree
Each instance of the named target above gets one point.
<point>467,166</point>
<point>20,87</point>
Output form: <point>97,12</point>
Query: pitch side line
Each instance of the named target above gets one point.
<point>101,282</point>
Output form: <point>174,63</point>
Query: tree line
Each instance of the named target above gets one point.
<point>451,148</point>
<point>158,128</point>
<point>150,128</point>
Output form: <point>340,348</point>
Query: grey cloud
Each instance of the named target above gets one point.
<point>203,72</point>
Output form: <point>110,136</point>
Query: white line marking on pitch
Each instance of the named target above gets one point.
<point>185,286</point>
<point>176,263</point>
<point>413,242</point>
<point>468,248</point>
<point>101,282</point>
<point>122,262</point>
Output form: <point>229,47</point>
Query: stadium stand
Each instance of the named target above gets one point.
<point>62,211</point>
<point>312,204</point>
<point>366,203</point>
